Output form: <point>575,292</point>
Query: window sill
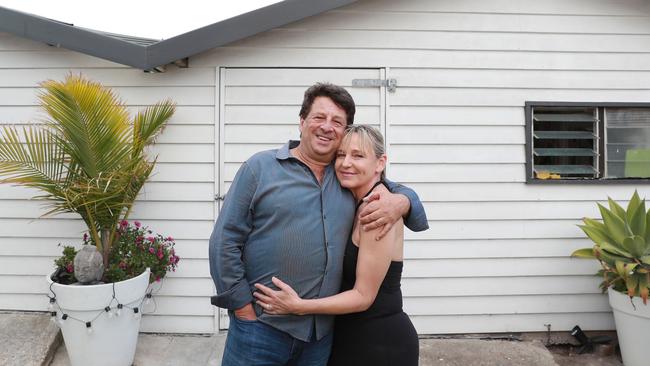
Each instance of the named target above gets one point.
<point>589,181</point>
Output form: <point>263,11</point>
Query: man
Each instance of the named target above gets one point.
<point>286,215</point>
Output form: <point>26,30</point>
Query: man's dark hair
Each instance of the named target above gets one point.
<point>337,94</point>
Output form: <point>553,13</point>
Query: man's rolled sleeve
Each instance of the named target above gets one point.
<point>416,220</point>
<point>227,243</point>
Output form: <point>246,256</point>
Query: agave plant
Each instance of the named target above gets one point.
<point>88,157</point>
<point>622,246</point>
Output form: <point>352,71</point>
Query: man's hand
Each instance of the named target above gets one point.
<point>246,313</point>
<point>383,210</point>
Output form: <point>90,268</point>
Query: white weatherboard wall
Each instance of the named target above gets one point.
<point>178,201</point>
<point>496,256</point>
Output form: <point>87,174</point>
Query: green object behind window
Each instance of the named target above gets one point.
<point>637,163</point>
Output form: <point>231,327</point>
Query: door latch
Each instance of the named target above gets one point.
<point>389,84</point>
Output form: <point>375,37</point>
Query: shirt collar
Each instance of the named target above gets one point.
<point>283,152</point>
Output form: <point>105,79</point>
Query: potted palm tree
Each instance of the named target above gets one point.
<point>622,246</point>
<point>89,158</point>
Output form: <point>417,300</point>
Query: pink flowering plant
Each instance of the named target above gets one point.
<point>65,265</point>
<point>136,248</point>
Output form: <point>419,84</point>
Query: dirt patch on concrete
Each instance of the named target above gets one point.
<point>567,355</point>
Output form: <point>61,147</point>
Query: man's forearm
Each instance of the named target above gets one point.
<point>234,298</point>
<point>404,205</point>
<point>415,218</point>
<point>227,269</point>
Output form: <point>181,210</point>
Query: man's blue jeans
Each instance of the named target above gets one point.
<point>251,342</point>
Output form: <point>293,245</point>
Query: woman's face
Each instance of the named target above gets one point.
<point>357,165</point>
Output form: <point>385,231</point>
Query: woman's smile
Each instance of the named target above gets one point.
<point>357,166</point>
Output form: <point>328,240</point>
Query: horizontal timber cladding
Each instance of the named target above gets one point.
<point>115,77</point>
<point>185,115</point>
<point>190,96</point>
<point>48,247</point>
<point>457,40</point>
<point>145,210</point>
<point>496,258</point>
<point>457,59</point>
<point>178,200</point>
<point>152,191</point>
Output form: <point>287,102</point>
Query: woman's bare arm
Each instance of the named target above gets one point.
<point>372,264</point>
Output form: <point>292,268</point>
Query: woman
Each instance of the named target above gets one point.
<point>376,331</point>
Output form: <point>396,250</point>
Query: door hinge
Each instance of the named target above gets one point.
<point>219,197</point>
<point>390,84</point>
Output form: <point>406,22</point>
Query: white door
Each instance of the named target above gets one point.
<point>258,110</point>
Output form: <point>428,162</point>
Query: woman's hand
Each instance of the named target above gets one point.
<point>283,301</point>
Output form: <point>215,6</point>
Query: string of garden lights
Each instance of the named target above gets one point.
<point>55,309</point>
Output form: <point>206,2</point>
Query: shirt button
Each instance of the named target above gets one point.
<point>325,217</point>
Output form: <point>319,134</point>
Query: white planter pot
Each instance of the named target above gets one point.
<point>113,339</point>
<point>632,326</point>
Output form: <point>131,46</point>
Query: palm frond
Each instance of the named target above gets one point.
<point>148,124</point>
<point>91,123</point>
<point>35,161</point>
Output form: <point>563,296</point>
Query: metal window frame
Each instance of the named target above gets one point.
<point>528,106</point>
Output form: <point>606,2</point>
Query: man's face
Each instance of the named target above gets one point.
<point>322,129</point>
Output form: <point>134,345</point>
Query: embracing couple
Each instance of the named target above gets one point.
<point>313,230</point>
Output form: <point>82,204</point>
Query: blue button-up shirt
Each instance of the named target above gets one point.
<point>277,220</point>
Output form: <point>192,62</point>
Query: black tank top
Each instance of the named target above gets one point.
<point>389,296</point>
<point>382,335</point>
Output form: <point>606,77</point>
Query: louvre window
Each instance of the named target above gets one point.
<point>572,142</point>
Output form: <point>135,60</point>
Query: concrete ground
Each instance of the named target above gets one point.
<point>30,339</point>
<point>465,352</point>
<point>167,350</point>
<point>197,350</point>
<point>27,339</point>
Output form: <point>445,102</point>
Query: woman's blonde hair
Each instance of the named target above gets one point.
<point>368,137</point>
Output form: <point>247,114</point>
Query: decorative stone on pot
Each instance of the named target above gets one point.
<point>88,265</point>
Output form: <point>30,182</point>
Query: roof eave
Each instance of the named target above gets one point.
<point>236,28</point>
<point>157,55</point>
<point>72,38</point>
